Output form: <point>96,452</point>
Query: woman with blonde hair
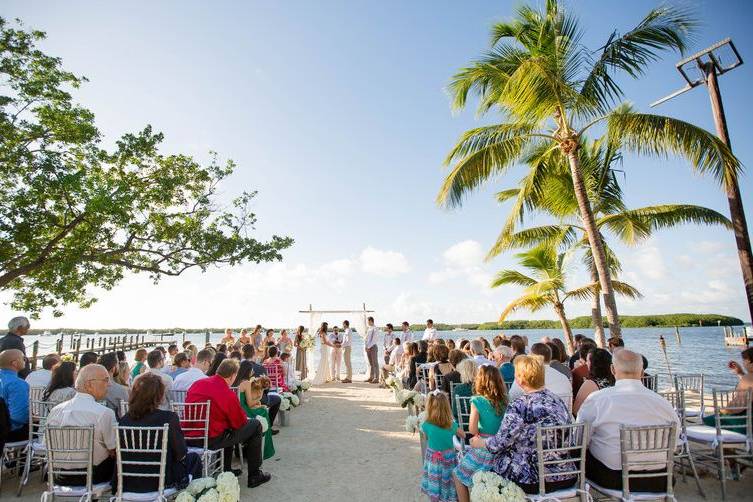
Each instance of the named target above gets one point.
<point>467,369</point>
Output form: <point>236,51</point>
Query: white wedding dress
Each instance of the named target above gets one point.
<point>323,371</point>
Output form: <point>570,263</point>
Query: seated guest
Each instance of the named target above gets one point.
<point>116,393</point>
<point>599,376</point>
<point>18,327</point>
<point>251,390</point>
<point>580,372</point>
<point>181,363</point>
<point>216,361</point>
<point>453,376</point>
<point>514,445</point>
<point>172,351</point>
<point>556,362</point>
<point>83,410</point>
<point>420,358</point>
<point>228,424</point>
<point>392,364</point>
<point>506,368</point>
<point>578,339</point>
<point>563,357</point>
<point>443,366</point>
<point>87,358</point>
<point>468,370</point>
<point>273,365</point>
<point>237,355</point>
<point>41,378</point>
<point>196,372</point>
<point>123,375</point>
<point>410,349</point>
<point>615,343</point>
<point>143,411</point>
<point>15,392</point>
<point>269,399</point>
<point>140,366</point>
<point>554,381</point>
<point>156,362</point>
<point>479,354</point>
<point>488,406</point>
<point>518,345</point>
<point>744,384</point>
<point>628,402</point>
<point>61,387</point>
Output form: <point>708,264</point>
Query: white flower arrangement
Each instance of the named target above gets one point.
<point>307,342</point>
<point>419,400</point>
<point>210,495</point>
<point>293,400</point>
<point>184,496</point>
<point>203,490</point>
<point>199,485</point>
<point>406,397</point>
<point>413,422</point>
<point>228,488</point>
<point>305,385</point>
<point>264,424</point>
<point>489,487</point>
<point>284,403</point>
<point>393,383</point>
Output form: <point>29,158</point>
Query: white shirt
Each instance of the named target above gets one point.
<point>396,354</point>
<point>430,334</point>
<point>335,338</point>
<point>483,361</point>
<point>629,403</point>
<point>39,378</point>
<point>167,380</point>
<point>406,336</point>
<point>83,410</point>
<point>388,338</point>
<point>372,333</point>
<point>347,338</point>
<point>555,382</point>
<point>186,379</point>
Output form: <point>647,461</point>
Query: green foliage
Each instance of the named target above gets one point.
<point>75,215</point>
<point>636,321</point>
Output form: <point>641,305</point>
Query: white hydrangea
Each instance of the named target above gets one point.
<point>184,496</point>
<point>264,424</point>
<point>306,385</point>
<point>198,485</point>
<point>228,488</point>
<point>284,403</point>
<point>412,424</point>
<point>295,400</point>
<point>489,487</point>
<point>419,400</point>
<point>210,495</point>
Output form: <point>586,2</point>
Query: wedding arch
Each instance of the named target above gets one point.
<point>315,318</point>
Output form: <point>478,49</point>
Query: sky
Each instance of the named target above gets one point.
<point>337,113</point>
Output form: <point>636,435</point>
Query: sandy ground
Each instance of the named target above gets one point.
<point>346,443</point>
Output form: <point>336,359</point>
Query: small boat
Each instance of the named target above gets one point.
<point>47,332</point>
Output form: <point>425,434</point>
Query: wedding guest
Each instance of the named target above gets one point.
<point>116,393</point>
<point>181,363</point>
<point>396,354</point>
<point>228,424</point>
<point>192,351</point>
<point>580,371</point>
<point>555,381</point>
<point>237,355</point>
<point>61,387</point>
<point>627,402</point>
<point>514,445</point>
<point>465,346</point>
<point>18,327</point>
<point>407,335</point>
<point>479,353</point>
<point>288,372</point>
<point>144,411</point>
<point>228,339</point>
<point>284,343</point>
<point>430,333</point>
<point>251,391</point>
<point>600,376</point>
<point>455,357</point>
<point>578,339</point>
<point>440,458</point>
<point>269,399</point>
<point>15,392</point>
<point>615,342</point>
<point>273,365</point>
<point>123,374</point>
<point>196,372</point>
<point>156,362</point>
<point>347,347</point>
<point>300,353</point>
<point>83,410</point>
<point>506,368</point>
<point>518,345</point>
<point>415,361</point>
<point>269,339</point>
<point>87,358</point>
<point>243,339</point>
<point>745,383</point>
<point>563,357</point>
<point>372,351</point>
<point>140,366</point>
<point>172,351</point>
<point>443,366</point>
<point>556,361</point>
<point>488,406</point>
<point>222,348</point>
<point>216,361</point>
<point>388,338</point>
<point>468,370</point>
<point>41,377</point>
<point>410,350</point>
<point>336,339</point>
<point>257,337</point>
<point>451,344</point>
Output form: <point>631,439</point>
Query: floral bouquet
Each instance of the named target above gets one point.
<point>413,422</point>
<point>296,387</point>
<point>407,397</point>
<point>294,400</point>
<point>489,487</point>
<point>264,424</point>
<point>305,385</point>
<point>393,383</point>
<point>307,342</point>
<point>224,489</point>
<point>285,404</point>
<point>67,358</point>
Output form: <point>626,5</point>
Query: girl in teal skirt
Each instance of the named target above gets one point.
<point>440,458</point>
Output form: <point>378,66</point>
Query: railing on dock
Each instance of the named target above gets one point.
<point>100,345</point>
<point>737,339</point>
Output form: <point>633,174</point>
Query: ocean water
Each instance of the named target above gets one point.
<point>700,350</point>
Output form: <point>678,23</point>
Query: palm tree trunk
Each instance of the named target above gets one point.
<point>596,319</point>
<point>597,246</point>
<point>559,309</point>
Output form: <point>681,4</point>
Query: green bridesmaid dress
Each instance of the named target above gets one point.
<point>269,447</point>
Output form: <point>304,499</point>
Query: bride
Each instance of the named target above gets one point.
<point>323,371</point>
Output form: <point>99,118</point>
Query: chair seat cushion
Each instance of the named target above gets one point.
<point>617,494</point>
<point>707,434</point>
<point>16,444</point>
<point>79,491</point>
<point>147,496</point>
<point>558,495</point>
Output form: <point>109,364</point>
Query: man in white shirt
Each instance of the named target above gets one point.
<point>198,371</point>
<point>629,402</point>
<point>41,378</point>
<point>396,353</point>
<point>83,410</point>
<point>389,337</point>
<point>347,346</point>
<point>372,351</point>
<point>156,361</point>
<point>336,339</point>
<point>479,355</point>
<point>430,333</point>
<point>554,381</point>
<point>407,336</point>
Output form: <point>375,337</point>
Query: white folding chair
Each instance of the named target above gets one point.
<point>194,417</point>
<point>463,407</point>
<point>70,452</point>
<point>677,399</point>
<point>134,446</point>
<point>649,381</point>
<point>561,451</point>
<point>177,396</point>
<point>423,378</point>
<point>36,393</point>
<point>731,437</point>
<point>693,395</point>
<point>647,452</point>
<point>35,449</point>
<point>123,408</point>
<point>12,454</point>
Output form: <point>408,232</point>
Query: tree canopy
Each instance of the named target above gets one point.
<point>75,215</point>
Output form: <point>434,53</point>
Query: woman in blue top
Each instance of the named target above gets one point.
<point>487,409</point>
<point>440,459</point>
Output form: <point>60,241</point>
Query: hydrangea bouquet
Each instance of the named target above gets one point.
<point>413,422</point>
<point>292,399</point>
<point>305,385</point>
<point>307,342</point>
<point>489,487</point>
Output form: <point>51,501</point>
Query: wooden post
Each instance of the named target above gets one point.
<point>59,346</point>
<point>34,352</point>
<point>77,349</point>
<point>206,338</point>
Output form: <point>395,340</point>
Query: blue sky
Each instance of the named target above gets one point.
<point>337,113</point>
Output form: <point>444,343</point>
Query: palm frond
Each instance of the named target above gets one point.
<point>531,303</point>
<point>556,236</point>
<point>670,215</point>
<point>625,289</point>
<point>508,194</point>
<point>584,292</point>
<point>507,277</point>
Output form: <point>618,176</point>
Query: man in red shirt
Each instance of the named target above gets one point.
<point>228,423</point>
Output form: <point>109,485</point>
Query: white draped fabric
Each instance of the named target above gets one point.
<point>315,320</point>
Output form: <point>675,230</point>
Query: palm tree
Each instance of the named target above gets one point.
<point>545,286</point>
<point>557,198</point>
<point>551,90</point>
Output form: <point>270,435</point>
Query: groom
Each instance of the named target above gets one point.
<point>372,351</point>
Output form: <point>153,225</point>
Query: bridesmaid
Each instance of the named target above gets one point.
<point>284,343</point>
<point>244,338</point>
<point>300,354</point>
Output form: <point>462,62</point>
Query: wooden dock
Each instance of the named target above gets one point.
<point>741,338</point>
<point>101,345</point>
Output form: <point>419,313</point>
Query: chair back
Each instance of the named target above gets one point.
<point>438,381</point>
<point>423,376</point>
<point>647,448</point>
<point>194,418</point>
<point>692,385</point>
<point>69,452</point>
<point>177,396</point>
<point>676,398</point>
<point>274,373</point>
<point>649,381</point>
<point>38,411</point>
<point>463,407</point>
<point>561,451</point>
<point>237,391</point>
<point>135,453</point>
<point>123,408</point>
<point>36,393</point>
<point>732,411</point>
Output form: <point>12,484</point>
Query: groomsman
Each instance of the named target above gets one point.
<point>347,344</point>
<point>389,337</point>
<point>430,333</point>
<point>372,351</point>
<point>407,335</point>
<point>337,353</point>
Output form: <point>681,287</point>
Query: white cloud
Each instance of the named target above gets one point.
<point>383,263</point>
<point>648,261</point>
<point>463,260</point>
<point>464,254</point>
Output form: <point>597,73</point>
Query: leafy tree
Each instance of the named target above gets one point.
<point>550,90</point>
<point>75,215</point>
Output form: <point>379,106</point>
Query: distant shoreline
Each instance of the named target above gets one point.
<point>584,322</point>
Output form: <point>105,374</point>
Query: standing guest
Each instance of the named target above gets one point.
<point>488,406</point>
<point>273,365</point>
<point>440,458</point>
<point>87,358</point>
<point>18,327</point>
<point>140,365</point>
<point>514,445</point>
<point>600,376</point>
<point>300,353</point>
<point>15,392</point>
<point>372,351</point>
<point>285,344</point>
<point>243,339</point>
<point>556,362</point>
<point>389,337</point>
<point>628,402</point>
<point>216,361</point>
<point>336,340</point>
<point>518,345</point>
<point>251,391</point>
<point>116,393</point>
<point>555,381</point>
<point>430,333</point>
<point>455,357</point>
<point>269,339</point>
<point>443,366</point>
<point>407,335</point>
<point>416,361</point>
<point>228,424</point>
<point>479,353</point>
<point>181,363</point>
<point>144,411</point>
<point>83,410</point>
<point>196,372</point>
<point>156,362</point>
<point>347,347</point>
<point>271,400</point>
<point>41,378</point>
<point>506,368</point>
<point>61,387</point>
<point>468,371</point>
<point>575,355</point>
<point>257,337</point>
<point>396,356</point>
<point>228,339</point>
<point>580,372</point>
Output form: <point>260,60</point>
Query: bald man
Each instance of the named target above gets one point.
<point>83,410</point>
<point>15,392</point>
<point>629,402</point>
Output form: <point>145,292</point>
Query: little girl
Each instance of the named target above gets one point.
<point>288,370</point>
<point>440,458</point>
